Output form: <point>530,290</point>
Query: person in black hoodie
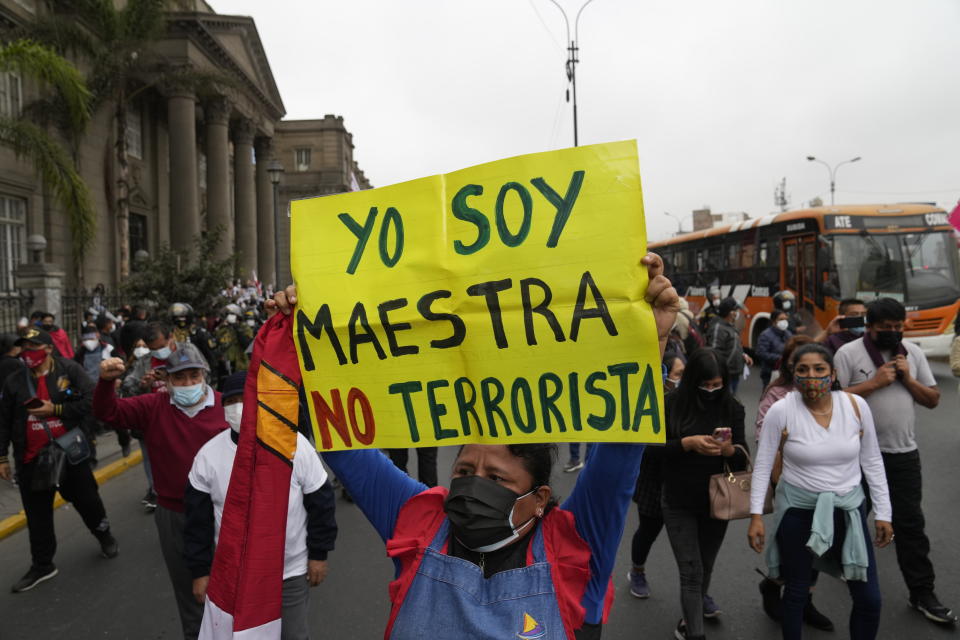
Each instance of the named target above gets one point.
<point>704,422</point>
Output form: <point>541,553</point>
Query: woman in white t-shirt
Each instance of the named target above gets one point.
<point>819,515</point>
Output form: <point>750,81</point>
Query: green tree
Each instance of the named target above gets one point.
<point>30,140</point>
<point>114,39</point>
<point>171,276</point>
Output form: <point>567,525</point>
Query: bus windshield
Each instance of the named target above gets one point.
<point>918,269</point>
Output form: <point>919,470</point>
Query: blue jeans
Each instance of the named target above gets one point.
<point>796,562</point>
<point>575,451</point>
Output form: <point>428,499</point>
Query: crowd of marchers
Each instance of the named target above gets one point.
<point>834,440</point>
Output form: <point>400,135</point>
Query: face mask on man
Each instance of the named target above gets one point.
<point>187,396</point>
<point>233,413</point>
<point>140,352</point>
<point>782,325</point>
<point>48,327</point>
<point>251,323</point>
<point>889,340</point>
<point>481,513</point>
<point>857,331</point>
<point>162,353</point>
<point>33,358</point>
<point>786,305</point>
<point>231,318</point>
<point>90,344</point>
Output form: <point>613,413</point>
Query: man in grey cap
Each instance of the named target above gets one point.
<point>725,338</point>
<point>174,427</point>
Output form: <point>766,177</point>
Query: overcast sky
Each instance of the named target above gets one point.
<point>725,97</point>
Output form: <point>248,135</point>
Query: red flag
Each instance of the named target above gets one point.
<point>954,217</point>
<point>246,580</point>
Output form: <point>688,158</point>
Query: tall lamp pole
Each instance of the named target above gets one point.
<point>275,170</point>
<point>572,59</point>
<point>833,172</point>
<point>679,221</point>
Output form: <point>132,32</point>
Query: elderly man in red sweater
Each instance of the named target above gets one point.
<point>175,425</point>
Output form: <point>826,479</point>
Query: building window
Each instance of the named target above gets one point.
<point>10,94</point>
<point>138,233</point>
<point>13,250</point>
<point>134,133</point>
<point>302,159</point>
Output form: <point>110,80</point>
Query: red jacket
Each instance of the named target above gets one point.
<point>172,437</point>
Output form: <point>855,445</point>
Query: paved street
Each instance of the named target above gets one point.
<point>129,597</point>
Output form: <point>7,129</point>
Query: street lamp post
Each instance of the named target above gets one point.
<point>679,221</point>
<point>572,59</point>
<point>275,170</point>
<point>833,172</point>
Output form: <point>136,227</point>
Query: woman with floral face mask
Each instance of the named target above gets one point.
<point>819,518</point>
<point>495,556</point>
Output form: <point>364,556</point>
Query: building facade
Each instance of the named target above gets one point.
<point>317,157</point>
<point>198,160</point>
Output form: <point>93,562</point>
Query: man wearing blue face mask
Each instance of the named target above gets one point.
<point>175,426</point>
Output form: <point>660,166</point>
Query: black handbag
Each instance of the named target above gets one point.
<point>74,445</point>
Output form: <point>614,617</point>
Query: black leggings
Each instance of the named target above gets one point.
<point>644,537</point>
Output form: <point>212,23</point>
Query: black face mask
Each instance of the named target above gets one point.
<point>709,396</point>
<point>888,339</point>
<point>481,513</point>
<point>180,322</point>
<point>47,327</point>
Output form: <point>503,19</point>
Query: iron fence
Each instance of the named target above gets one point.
<point>13,306</point>
<point>79,306</point>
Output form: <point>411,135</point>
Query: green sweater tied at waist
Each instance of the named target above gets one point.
<point>853,561</point>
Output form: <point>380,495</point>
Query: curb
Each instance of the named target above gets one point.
<point>11,525</point>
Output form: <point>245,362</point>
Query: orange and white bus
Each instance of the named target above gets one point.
<point>823,255</point>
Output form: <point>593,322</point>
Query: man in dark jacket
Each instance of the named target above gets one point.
<point>45,400</point>
<point>725,338</point>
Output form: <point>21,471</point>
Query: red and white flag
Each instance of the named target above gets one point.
<point>244,595</point>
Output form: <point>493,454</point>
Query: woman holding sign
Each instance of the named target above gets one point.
<point>496,556</point>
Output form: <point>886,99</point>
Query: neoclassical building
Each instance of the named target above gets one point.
<point>198,160</point>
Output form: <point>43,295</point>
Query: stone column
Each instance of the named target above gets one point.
<point>266,238</point>
<point>184,194</point>
<point>216,115</point>
<point>245,198</point>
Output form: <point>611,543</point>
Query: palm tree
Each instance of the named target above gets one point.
<point>51,161</point>
<point>115,42</point>
<point>112,41</point>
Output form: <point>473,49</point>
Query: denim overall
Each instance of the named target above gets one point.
<point>450,598</point>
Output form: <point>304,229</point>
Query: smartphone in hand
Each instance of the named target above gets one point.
<point>852,322</point>
<point>33,403</point>
<point>722,434</point>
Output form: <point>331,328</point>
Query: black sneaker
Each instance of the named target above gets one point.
<point>33,577</point>
<point>108,544</point>
<point>149,502</point>
<point>929,606</point>
<point>772,602</point>
<point>814,618</point>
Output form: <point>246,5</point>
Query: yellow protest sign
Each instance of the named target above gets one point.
<point>499,304</point>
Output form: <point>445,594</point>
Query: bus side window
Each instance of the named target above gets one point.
<point>762,255</point>
<point>700,261</point>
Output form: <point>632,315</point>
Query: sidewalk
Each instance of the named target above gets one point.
<point>110,463</point>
